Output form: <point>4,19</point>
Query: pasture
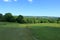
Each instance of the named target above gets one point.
<point>16,31</point>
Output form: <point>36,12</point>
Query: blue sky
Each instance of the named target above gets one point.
<point>31,7</point>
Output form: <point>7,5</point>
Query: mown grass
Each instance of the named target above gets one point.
<point>42,25</point>
<point>14,34</point>
<point>42,31</point>
<point>7,24</point>
<point>46,33</point>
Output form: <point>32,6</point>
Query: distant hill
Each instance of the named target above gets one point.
<point>47,17</point>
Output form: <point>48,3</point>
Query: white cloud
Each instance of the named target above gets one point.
<point>30,0</point>
<point>6,0</point>
<point>9,0</point>
<point>16,0</point>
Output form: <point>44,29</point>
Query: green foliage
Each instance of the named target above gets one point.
<point>58,21</point>
<point>8,17</point>
<point>1,17</point>
<point>19,19</point>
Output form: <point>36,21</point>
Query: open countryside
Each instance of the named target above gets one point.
<point>29,19</point>
<point>15,31</point>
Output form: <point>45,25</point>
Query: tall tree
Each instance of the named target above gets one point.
<point>8,17</point>
<point>58,20</point>
<point>1,17</point>
<point>19,19</point>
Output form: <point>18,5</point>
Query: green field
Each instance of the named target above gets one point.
<point>43,31</point>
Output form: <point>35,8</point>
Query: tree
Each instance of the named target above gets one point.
<point>8,17</point>
<point>1,17</point>
<point>19,19</point>
<point>58,20</point>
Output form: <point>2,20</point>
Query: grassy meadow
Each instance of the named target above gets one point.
<point>42,31</point>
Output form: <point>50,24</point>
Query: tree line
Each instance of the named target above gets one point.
<point>8,17</point>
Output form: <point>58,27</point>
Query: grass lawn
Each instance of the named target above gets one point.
<point>46,33</point>
<point>43,31</point>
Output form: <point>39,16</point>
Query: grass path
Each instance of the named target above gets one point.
<point>25,34</point>
<point>15,34</point>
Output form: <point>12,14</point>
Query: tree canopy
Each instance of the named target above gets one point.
<point>8,17</point>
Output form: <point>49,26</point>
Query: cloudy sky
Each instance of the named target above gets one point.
<point>31,7</point>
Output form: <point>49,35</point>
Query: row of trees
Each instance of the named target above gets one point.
<point>8,17</point>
